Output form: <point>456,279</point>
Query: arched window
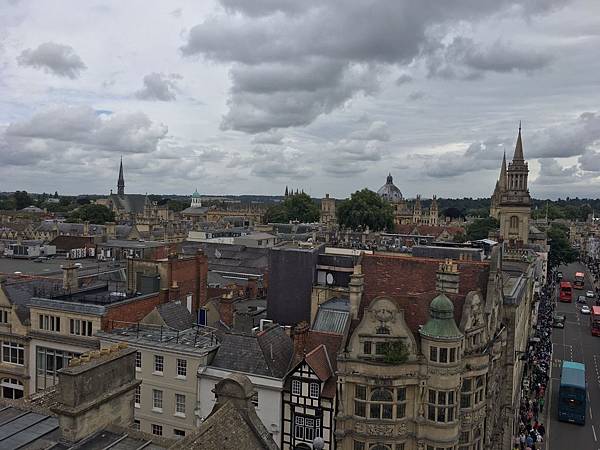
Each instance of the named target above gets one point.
<point>379,447</point>
<point>381,403</point>
<point>514,222</point>
<point>12,388</point>
<point>383,330</point>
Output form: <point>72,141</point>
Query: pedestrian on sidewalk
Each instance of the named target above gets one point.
<point>542,429</point>
<point>542,405</point>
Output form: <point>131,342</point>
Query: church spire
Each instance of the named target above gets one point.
<point>518,156</point>
<point>502,179</point>
<point>121,182</point>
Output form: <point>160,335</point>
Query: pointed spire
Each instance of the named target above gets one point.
<point>518,156</point>
<point>121,181</point>
<point>502,178</point>
<point>286,191</point>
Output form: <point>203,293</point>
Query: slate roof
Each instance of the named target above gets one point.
<point>229,258</point>
<point>267,353</point>
<point>176,315</point>
<point>130,203</point>
<point>189,211</point>
<point>332,315</point>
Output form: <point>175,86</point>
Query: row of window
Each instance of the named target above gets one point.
<point>467,436</point>
<point>379,402</point>
<point>157,430</point>
<point>157,401</point>
<point>440,406</point>
<point>307,428</point>
<point>77,327</point>
<point>48,362</point>
<point>314,390</point>
<point>159,364</point>
<point>12,388</point>
<point>443,355</point>
<point>472,391</point>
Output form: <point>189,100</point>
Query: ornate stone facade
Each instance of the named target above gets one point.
<point>405,211</point>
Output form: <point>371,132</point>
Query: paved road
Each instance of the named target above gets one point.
<point>575,343</point>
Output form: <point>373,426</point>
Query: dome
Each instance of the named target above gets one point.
<point>196,194</point>
<point>441,322</point>
<point>389,191</point>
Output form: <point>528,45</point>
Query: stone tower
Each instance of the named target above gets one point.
<point>121,182</point>
<point>500,187</point>
<point>433,211</point>
<point>514,206</point>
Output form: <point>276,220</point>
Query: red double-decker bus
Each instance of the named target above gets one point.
<point>595,321</point>
<point>565,293</point>
<point>579,281</point>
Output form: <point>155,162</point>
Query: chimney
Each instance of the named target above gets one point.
<point>356,288</point>
<point>447,277</point>
<point>226,308</point>
<point>201,279</point>
<point>95,391</point>
<point>163,296</point>
<point>70,280</point>
<point>300,335</point>
<point>111,230</point>
<point>86,228</point>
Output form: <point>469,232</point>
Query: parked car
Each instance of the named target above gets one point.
<point>589,294</point>
<point>558,324</point>
<point>559,275</point>
<point>582,299</point>
<point>585,309</point>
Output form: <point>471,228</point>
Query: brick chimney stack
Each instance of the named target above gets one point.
<point>70,280</point>
<point>95,391</point>
<point>300,336</point>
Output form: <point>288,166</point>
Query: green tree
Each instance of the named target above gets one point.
<point>561,251</point>
<point>97,214</point>
<point>365,209</point>
<point>177,205</point>
<point>22,199</point>
<point>298,207</point>
<point>480,228</point>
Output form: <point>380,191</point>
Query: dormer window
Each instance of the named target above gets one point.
<point>383,330</point>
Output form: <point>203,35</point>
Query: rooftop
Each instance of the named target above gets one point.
<point>197,338</point>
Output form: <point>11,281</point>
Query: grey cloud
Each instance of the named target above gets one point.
<point>60,60</point>
<point>273,137</point>
<point>83,127</point>
<point>158,86</point>
<point>416,95</point>
<point>276,162</point>
<point>590,161</point>
<point>377,131</point>
<point>463,58</point>
<point>403,79</point>
<point>293,61</point>
<point>552,173</point>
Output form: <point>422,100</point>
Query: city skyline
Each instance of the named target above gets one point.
<point>244,98</point>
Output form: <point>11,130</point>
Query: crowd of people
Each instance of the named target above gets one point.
<point>536,375</point>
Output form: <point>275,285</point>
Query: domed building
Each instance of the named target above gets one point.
<point>408,212</point>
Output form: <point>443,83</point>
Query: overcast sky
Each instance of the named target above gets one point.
<point>246,97</point>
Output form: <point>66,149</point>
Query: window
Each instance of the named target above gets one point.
<point>443,355</point>
<point>433,354</point>
<point>178,433</point>
<point>314,390</point>
<point>138,360</point>
<point>48,362</point>
<point>12,388</point>
<point>359,445</point>
<point>156,429</point>
<point>255,399</point>
<point>296,387</point>
<point>138,396</point>
<point>306,428</point>
<point>367,347</point>
<point>479,389</point>
<point>13,353</point>
<point>49,323</point>
<point>159,364</point>
<point>182,368</point>
<point>80,327</point>
<point>466,393</point>
<point>136,424</point>
<point>380,348</point>
<point>382,330</point>
<point>4,315</point>
<point>514,222</point>
<point>452,355</point>
<point>472,391</point>
<point>180,404</point>
<point>157,400</point>
<point>440,406</point>
<point>382,403</point>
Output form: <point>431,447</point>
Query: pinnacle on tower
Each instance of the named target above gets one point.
<point>518,156</point>
<point>286,191</point>
<point>121,181</point>
<point>502,179</point>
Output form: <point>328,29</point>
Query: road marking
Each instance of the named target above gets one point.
<point>594,431</point>
<point>591,416</point>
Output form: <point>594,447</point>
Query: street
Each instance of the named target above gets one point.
<point>575,343</point>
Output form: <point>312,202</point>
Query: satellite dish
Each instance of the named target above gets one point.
<point>329,278</point>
